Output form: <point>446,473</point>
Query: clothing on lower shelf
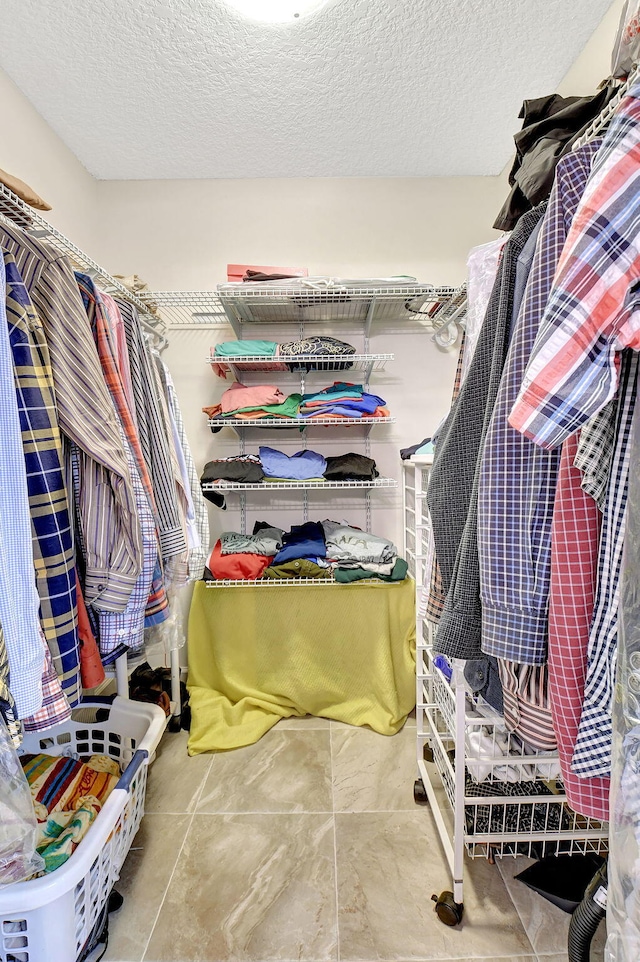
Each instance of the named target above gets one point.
<point>303,541</point>
<point>266,541</point>
<point>244,566</point>
<point>295,568</point>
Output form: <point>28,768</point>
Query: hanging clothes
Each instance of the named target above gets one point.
<point>453,485</point>
<point>592,753</point>
<point>153,439</point>
<point>592,311</point>
<point>19,602</point>
<point>86,416</point>
<point>197,514</point>
<point>52,538</point>
<point>574,563</point>
<point>482,268</point>
<point>517,478</point>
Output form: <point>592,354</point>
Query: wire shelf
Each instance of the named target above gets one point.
<point>18,212</point>
<point>299,423</point>
<point>439,306</point>
<point>304,305</point>
<point>303,363</point>
<point>299,583</point>
<point>272,486</point>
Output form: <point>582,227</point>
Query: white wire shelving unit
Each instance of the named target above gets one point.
<point>271,487</point>
<point>441,309</point>
<point>500,799</point>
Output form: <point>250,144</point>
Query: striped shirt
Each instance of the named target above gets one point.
<point>111,530</point>
<point>153,435</point>
<point>197,516</point>
<point>592,311</point>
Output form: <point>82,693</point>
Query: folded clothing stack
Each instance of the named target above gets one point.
<point>241,557</point>
<point>327,549</point>
<point>342,400</point>
<point>237,350</point>
<point>242,468</point>
<point>355,555</point>
<point>302,466</point>
<point>274,466</point>
<point>351,467</point>
<point>331,354</point>
<point>255,401</point>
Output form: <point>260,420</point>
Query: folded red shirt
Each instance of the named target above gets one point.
<point>236,567</point>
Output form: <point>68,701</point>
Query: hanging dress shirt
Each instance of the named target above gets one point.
<point>592,311</point>
<point>7,703</point>
<point>574,562</point>
<point>198,552</point>
<point>453,485</point>
<point>52,537</point>
<point>153,438</point>
<point>124,628</point>
<point>86,416</point>
<point>19,602</point>
<point>592,754</point>
<point>482,268</point>
<point>518,478</point>
<point>595,452</point>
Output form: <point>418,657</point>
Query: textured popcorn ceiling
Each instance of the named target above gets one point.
<point>188,88</point>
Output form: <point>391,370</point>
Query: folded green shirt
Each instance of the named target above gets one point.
<point>288,409</point>
<point>246,349</point>
<point>346,575</point>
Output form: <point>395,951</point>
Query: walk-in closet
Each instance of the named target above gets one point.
<point>319,509</point>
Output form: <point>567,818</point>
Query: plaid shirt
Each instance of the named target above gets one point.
<point>593,308</point>
<point>52,538</point>
<point>453,484</point>
<point>19,602</point>
<point>514,541</point>
<point>592,754</point>
<point>595,452</point>
<point>574,564</point>
<point>87,417</point>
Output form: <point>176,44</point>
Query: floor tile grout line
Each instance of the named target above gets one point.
<point>335,844</point>
<point>177,861</point>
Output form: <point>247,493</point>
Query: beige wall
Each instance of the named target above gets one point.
<point>32,151</point>
<point>181,234</point>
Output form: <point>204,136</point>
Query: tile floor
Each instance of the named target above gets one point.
<point>308,846</point>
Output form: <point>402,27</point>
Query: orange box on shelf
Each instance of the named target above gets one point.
<point>235,272</point>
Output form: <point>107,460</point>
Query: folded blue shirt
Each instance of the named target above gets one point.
<point>298,467</point>
<point>303,541</point>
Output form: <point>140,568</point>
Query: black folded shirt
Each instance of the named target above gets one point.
<point>351,467</point>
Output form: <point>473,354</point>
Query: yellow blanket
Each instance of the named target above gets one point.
<point>257,655</point>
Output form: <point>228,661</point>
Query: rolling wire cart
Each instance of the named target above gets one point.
<point>490,795</point>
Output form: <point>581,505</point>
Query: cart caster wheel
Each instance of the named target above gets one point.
<point>447,910</point>
<point>174,724</point>
<point>420,796</point>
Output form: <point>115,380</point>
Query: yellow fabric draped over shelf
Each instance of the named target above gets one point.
<point>259,654</point>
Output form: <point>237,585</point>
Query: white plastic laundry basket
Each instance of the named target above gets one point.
<point>51,918</point>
